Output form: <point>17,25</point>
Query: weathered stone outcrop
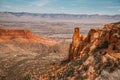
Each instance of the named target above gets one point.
<point>10,34</point>
<point>77,39</point>
<point>108,38</point>
<point>95,57</point>
<point>99,52</point>
<point>7,35</point>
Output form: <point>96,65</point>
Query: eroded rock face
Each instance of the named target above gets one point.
<point>100,52</point>
<point>95,57</point>
<point>108,37</point>
<point>77,39</point>
<point>7,35</point>
<point>10,34</point>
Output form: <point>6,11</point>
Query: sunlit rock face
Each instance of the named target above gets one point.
<point>10,35</point>
<point>77,39</point>
<point>99,52</point>
<point>109,37</point>
<point>95,57</point>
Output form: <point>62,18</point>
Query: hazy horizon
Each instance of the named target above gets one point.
<point>57,13</point>
<point>101,7</point>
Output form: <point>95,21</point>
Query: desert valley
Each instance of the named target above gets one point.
<point>59,46</point>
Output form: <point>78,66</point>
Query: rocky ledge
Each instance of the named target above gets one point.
<point>24,36</point>
<point>107,39</point>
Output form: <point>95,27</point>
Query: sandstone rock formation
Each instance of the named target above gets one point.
<point>7,35</point>
<point>77,39</point>
<point>95,57</point>
<point>108,37</point>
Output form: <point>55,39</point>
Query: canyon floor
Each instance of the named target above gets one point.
<point>59,31</point>
<point>37,61</point>
<point>19,59</point>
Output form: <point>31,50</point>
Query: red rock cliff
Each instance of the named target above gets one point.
<point>108,38</point>
<point>96,57</point>
<point>7,35</point>
<point>10,34</point>
<point>77,39</point>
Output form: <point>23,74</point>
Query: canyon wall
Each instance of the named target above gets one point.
<point>92,57</point>
<point>12,35</point>
<point>107,38</point>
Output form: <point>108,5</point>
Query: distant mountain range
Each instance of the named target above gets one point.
<point>24,16</point>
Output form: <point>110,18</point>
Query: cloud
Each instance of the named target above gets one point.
<point>73,4</point>
<point>113,7</point>
<point>62,7</point>
<point>7,6</point>
<point>40,3</point>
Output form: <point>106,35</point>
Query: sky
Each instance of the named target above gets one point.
<point>110,7</point>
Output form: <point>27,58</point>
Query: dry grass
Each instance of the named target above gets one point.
<point>21,60</point>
